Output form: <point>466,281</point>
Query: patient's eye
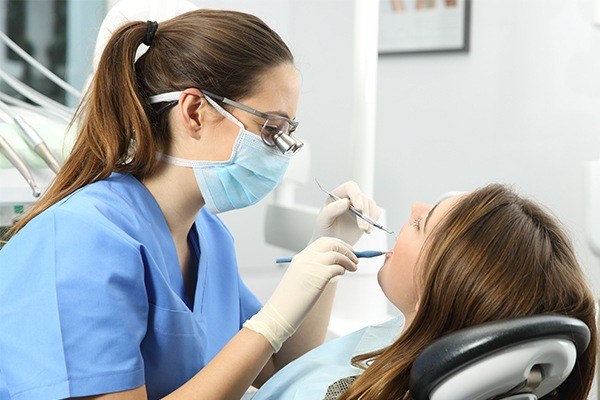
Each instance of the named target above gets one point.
<point>416,223</point>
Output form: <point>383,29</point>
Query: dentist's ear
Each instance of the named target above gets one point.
<point>193,109</point>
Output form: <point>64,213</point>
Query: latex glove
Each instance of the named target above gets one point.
<point>335,220</point>
<point>305,279</point>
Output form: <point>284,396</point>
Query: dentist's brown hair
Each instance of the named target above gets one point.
<point>224,52</point>
<point>495,255</point>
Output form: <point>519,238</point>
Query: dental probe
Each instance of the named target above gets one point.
<point>354,210</point>
<point>19,164</point>
<point>33,139</point>
<point>359,254</point>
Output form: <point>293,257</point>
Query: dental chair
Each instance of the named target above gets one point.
<point>515,359</point>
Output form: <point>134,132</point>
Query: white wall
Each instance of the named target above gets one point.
<point>522,107</point>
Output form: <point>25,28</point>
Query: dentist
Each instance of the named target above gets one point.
<point>121,282</point>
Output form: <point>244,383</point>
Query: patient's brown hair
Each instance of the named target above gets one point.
<point>494,255</point>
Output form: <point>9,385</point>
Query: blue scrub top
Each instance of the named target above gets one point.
<point>92,297</point>
<point>308,377</point>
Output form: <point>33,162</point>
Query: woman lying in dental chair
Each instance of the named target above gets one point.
<point>478,257</point>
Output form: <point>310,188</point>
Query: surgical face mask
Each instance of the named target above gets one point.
<point>252,171</point>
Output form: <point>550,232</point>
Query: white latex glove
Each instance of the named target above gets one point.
<point>335,220</point>
<point>307,276</point>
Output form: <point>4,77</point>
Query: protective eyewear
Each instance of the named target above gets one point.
<point>275,132</point>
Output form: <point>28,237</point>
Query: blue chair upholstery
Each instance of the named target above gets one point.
<point>518,359</point>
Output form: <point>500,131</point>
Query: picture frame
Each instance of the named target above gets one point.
<point>424,26</point>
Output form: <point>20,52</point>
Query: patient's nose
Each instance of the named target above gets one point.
<point>420,208</point>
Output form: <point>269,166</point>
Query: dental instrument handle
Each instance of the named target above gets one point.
<point>359,214</point>
<point>369,253</point>
<point>359,254</point>
<point>20,165</point>
<point>369,220</point>
<point>36,142</point>
<point>354,210</point>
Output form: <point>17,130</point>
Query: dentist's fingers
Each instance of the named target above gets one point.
<point>330,252</point>
<point>363,225</point>
<point>372,211</point>
<point>337,220</point>
<point>350,190</point>
<point>360,202</point>
<point>341,260</point>
<point>334,209</point>
<point>327,244</point>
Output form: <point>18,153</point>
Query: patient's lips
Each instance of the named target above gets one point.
<point>388,255</point>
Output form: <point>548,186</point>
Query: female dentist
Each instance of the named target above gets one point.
<point>121,282</point>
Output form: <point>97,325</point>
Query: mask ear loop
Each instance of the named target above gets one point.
<point>169,96</point>
<point>174,96</point>
<point>224,112</point>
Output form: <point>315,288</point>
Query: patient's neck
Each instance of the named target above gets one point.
<point>408,319</point>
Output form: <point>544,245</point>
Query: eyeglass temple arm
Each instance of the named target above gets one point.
<point>245,107</point>
<point>235,104</point>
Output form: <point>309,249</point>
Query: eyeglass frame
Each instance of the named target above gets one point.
<point>243,107</point>
<point>285,137</point>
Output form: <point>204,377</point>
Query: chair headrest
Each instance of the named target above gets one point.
<point>455,351</point>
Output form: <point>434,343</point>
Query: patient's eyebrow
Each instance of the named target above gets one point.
<point>427,218</point>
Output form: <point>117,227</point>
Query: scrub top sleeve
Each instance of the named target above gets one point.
<point>82,310</point>
<point>249,304</point>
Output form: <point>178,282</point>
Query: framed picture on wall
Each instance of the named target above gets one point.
<point>423,26</point>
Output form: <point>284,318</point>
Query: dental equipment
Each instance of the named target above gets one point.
<point>359,254</point>
<point>34,63</point>
<point>33,139</point>
<point>19,164</point>
<point>54,107</point>
<point>11,101</point>
<point>354,210</point>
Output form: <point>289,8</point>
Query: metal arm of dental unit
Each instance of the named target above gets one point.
<point>20,164</point>
<point>33,138</point>
<point>35,141</point>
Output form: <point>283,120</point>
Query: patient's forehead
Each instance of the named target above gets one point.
<point>442,208</point>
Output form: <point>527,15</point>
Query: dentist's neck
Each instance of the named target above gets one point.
<point>175,190</point>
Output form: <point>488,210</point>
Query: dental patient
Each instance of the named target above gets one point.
<point>473,258</point>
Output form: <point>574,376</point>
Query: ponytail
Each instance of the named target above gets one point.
<point>113,121</point>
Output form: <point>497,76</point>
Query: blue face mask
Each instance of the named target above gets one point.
<point>253,171</point>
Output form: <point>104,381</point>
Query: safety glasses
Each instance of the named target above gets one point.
<point>276,130</point>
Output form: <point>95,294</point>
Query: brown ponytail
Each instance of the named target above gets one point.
<point>224,52</point>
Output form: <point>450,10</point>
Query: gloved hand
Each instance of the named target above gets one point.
<point>335,220</point>
<point>307,276</point>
